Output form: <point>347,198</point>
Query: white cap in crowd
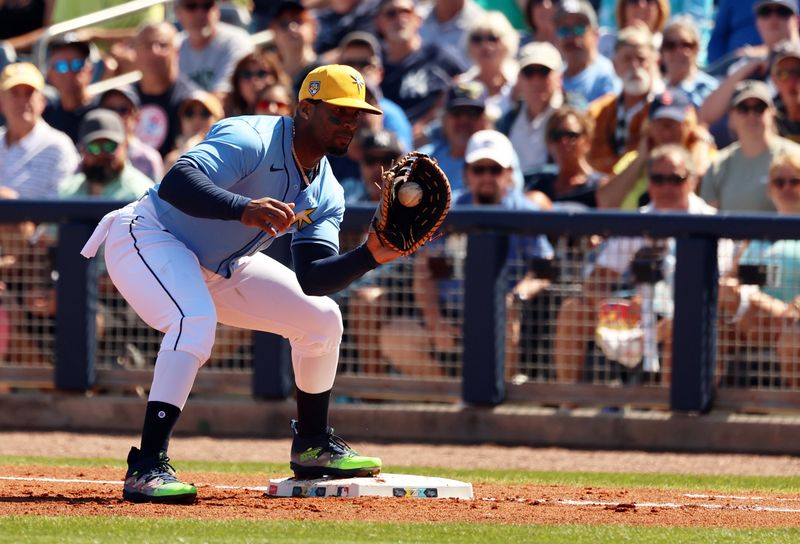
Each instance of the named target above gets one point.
<point>490,144</point>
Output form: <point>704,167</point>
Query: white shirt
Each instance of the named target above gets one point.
<point>35,165</point>
<point>528,137</point>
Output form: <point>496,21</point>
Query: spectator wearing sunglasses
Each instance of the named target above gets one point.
<point>568,134</point>
<point>197,114</point>
<point>650,14</point>
<point>492,48</point>
<point>464,115</point>
<point>252,74</point>
<point>105,170</point>
<point>448,25</point>
<point>274,100</point>
<point>776,21</point>
<point>671,184</point>
<point>539,93</point>
<point>737,177</point>
<point>416,74</point>
<point>679,51</point>
<point>672,120</point>
<point>362,51</point>
<point>760,297</point>
<point>785,72</point>
<point>34,157</point>
<point>69,71</point>
<point>209,48</point>
<point>125,102</point>
<point>294,30</point>
<point>588,75</point>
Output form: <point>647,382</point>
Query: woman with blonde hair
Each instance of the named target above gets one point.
<point>760,298</point>
<point>680,48</point>
<point>492,46</point>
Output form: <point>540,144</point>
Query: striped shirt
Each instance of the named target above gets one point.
<point>35,165</point>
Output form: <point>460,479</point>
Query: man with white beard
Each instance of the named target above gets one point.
<point>619,117</point>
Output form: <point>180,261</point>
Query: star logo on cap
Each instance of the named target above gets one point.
<point>359,82</point>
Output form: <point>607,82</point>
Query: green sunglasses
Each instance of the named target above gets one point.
<point>104,146</point>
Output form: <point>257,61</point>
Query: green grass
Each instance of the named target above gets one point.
<point>727,483</point>
<point>23,529</point>
<point>124,529</point>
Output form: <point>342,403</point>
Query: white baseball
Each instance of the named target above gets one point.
<point>410,194</point>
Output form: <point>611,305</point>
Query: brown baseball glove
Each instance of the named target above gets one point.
<point>405,228</point>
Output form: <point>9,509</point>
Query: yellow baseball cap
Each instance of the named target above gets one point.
<point>21,73</point>
<point>338,85</point>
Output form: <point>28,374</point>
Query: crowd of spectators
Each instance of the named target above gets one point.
<point>688,105</point>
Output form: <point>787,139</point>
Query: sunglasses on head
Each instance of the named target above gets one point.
<point>558,135</point>
<point>480,38</point>
<point>191,113</point>
<point>480,169</point>
<point>744,109</point>
<point>780,183</point>
<point>671,45</point>
<point>535,70</point>
<point>664,179</point>
<point>194,6</point>
<point>569,31</point>
<point>781,11</point>
<point>66,66</point>
<point>260,74</point>
<point>383,160</point>
<point>101,146</point>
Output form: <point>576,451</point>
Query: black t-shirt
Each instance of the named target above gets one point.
<point>335,26</point>
<point>66,121</point>
<point>418,81</point>
<point>159,124</point>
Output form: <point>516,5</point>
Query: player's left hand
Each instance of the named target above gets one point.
<point>268,214</point>
<point>381,253</point>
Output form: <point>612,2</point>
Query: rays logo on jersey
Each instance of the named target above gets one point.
<point>313,87</point>
<point>303,218</point>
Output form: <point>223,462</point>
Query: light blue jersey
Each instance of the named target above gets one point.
<point>252,156</point>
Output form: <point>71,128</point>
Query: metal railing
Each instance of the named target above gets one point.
<point>481,379</point>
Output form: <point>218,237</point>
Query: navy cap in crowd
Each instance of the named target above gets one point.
<point>466,94</point>
<point>671,104</point>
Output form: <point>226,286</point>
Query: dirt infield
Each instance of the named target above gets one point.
<point>38,490</point>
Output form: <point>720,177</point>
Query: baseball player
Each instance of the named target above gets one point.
<point>187,256</point>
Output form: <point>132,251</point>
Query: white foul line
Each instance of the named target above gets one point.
<point>569,502</point>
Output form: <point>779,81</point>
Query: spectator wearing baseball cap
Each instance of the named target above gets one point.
<point>127,104</point>
<point>464,115</point>
<point>587,74</point>
<point>362,51</point>
<point>735,181</point>
<point>672,120</point>
<point>105,170</point>
<point>785,72</point>
<point>34,157</point>
<point>539,89</point>
<point>378,149</point>
<point>777,22</point>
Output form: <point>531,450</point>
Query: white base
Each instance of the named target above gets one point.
<point>382,485</point>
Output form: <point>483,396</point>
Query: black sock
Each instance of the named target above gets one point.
<point>312,412</point>
<point>159,420</point>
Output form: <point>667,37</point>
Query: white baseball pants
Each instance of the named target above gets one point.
<point>164,283</point>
